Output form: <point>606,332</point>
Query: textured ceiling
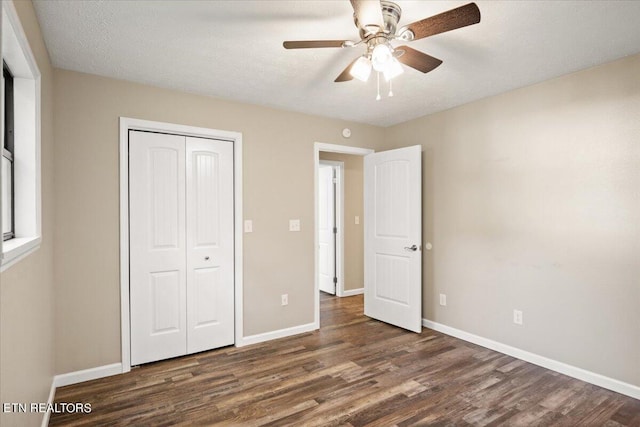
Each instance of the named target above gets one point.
<point>233,50</point>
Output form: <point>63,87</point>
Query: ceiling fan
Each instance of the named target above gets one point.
<point>377,22</point>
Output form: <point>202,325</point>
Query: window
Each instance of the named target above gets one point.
<point>20,168</point>
<point>8,222</point>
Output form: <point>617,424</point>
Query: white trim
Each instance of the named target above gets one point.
<point>352,292</point>
<point>563,368</point>
<point>317,148</point>
<point>239,230</point>
<point>127,124</point>
<point>52,395</point>
<point>78,377</point>
<point>87,375</point>
<point>274,335</point>
<point>27,92</point>
<point>21,36</point>
<point>344,149</point>
<point>338,167</point>
<point>17,249</point>
<point>125,326</point>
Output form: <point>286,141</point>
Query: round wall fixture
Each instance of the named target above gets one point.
<point>346,132</point>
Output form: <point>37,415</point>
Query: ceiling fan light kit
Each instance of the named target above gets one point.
<point>377,22</point>
<point>393,69</point>
<point>381,57</point>
<point>361,69</point>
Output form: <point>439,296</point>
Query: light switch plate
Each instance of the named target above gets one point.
<point>248,226</point>
<point>294,225</point>
<point>357,220</point>
<point>443,299</point>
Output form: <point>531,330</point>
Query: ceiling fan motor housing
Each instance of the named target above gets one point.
<point>391,14</point>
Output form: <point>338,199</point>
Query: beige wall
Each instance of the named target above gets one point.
<point>278,186</point>
<point>353,206</point>
<point>532,202</point>
<point>26,288</point>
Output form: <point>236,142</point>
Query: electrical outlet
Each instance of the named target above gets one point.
<point>517,317</point>
<point>294,225</point>
<point>285,299</point>
<point>443,299</point>
<point>248,226</point>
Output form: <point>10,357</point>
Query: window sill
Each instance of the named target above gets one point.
<point>18,248</point>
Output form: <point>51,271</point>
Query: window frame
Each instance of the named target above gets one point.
<point>16,51</point>
<point>8,144</point>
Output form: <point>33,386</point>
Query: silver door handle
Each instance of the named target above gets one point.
<point>411,248</point>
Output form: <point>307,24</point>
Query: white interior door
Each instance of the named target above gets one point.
<point>157,246</point>
<point>181,245</point>
<point>210,276</point>
<point>393,230</point>
<point>326,229</point>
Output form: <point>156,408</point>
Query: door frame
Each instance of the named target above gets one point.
<point>330,148</point>
<point>339,223</point>
<point>127,124</point>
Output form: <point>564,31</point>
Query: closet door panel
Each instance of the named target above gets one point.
<point>157,246</point>
<point>210,245</point>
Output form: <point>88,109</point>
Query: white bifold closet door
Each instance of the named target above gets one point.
<point>181,245</point>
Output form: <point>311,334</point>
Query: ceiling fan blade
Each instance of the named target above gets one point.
<point>345,75</point>
<point>368,14</point>
<point>459,17</point>
<point>305,44</point>
<point>418,60</point>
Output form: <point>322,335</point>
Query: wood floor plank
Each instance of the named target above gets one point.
<point>354,371</point>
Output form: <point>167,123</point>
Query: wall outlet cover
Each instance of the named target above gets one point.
<point>517,317</point>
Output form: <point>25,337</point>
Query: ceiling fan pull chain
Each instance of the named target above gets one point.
<point>390,89</point>
<point>378,97</point>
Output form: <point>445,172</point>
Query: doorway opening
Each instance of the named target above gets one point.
<point>339,222</point>
<point>392,196</point>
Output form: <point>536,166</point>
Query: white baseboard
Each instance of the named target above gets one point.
<point>78,377</point>
<point>281,333</point>
<point>87,374</point>
<point>52,395</point>
<point>352,292</point>
<point>563,368</point>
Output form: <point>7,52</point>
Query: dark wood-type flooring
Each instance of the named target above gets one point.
<point>354,371</point>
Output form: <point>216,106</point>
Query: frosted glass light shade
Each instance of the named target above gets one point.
<point>394,69</point>
<point>361,69</point>
<point>380,57</point>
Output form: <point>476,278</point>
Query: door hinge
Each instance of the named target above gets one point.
<point>335,230</point>
<point>335,280</point>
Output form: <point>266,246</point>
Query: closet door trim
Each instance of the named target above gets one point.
<point>127,124</point>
